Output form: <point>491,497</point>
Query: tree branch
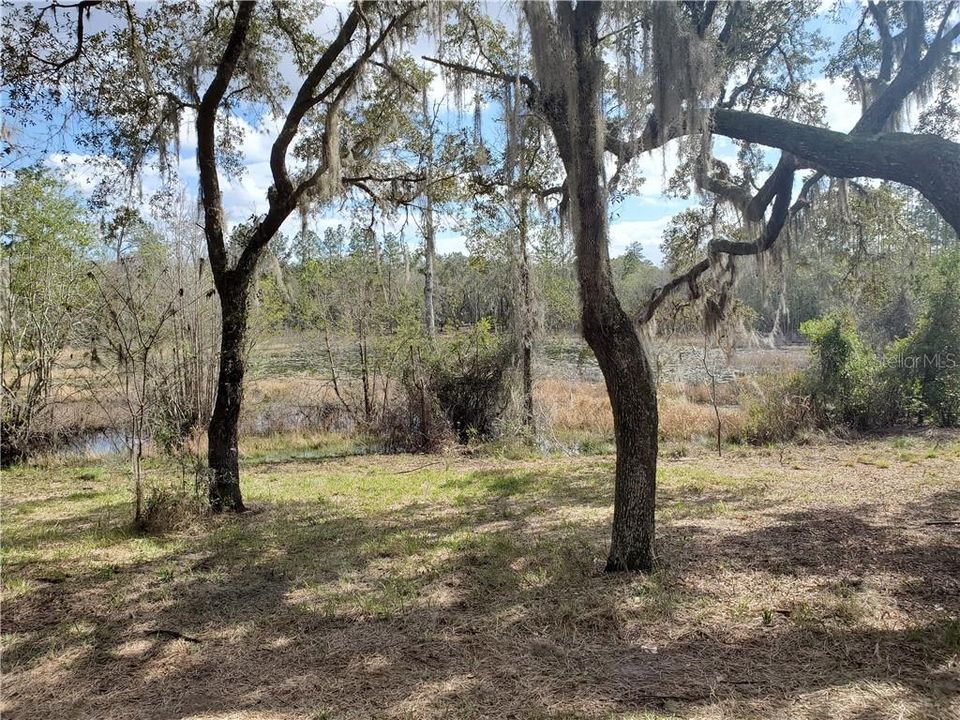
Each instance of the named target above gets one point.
<point>210,194</point>
<point>506,77</point>
<point>284,196</point>
<point>927,163</point>
<point>879,13</point>
<point>81,8</point>
<point>304,101</point>
<point>771,230</point>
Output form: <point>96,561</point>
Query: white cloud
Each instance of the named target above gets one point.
<point>840,114</point>
<point>656,167</point>
<point>451,243</point>
<point>83,171</point>
<point>439,91</point>
<point>649,233</point>
<point>243,196</point>
<point>659,165</point>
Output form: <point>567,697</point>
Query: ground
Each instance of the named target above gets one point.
<point>820,581</point>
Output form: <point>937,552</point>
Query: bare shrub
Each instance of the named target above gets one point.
<point>471,391</point>
<point>461,388</point>
<point>414,421</point>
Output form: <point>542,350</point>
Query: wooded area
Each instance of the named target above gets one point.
<point>247,246</point>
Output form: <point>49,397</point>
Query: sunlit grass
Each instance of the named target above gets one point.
<point>504,554</point>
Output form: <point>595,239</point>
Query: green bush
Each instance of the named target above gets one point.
<point>166,509</point>
<point>923,369</point>
<point>469,380</point>
<point>915,380</point>
<point>456,387</point>
<point>843,381</point>
<point>780,410</point>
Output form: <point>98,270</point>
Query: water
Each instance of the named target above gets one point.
<point>274,418</point>
<point>102,442</point>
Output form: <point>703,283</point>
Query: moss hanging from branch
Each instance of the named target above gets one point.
<point>682,67</point>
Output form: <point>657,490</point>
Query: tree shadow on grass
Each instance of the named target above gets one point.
<point>490,607</point>
<point>852,542</point>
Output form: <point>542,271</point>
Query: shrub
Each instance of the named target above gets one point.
<point>781,409</point>
<point>469,380</point>
<point>846,387</point>
<point>924,367</point>
<point>457,389</point>
<point>843,379</point>
<point>167,509</point>
<point>916,379</point>
<point>414,421</point>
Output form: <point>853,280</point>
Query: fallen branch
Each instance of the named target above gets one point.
<point>173,635</point>
<point>421,467</point>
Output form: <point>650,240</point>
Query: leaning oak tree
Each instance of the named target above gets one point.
<point>126,75</point>
<point>615,80</point>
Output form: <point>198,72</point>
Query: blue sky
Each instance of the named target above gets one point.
<point>640,218</point>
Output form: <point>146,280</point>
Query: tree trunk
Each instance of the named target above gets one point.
<point>527,371</point>
<point>629,378</point>
<point>429,252</point>
<point>223,434</point>
<point>575,115</point>
<point>429,231</point>
<point>526,318</point>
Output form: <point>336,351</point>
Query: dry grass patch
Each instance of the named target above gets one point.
<point>582,408</point>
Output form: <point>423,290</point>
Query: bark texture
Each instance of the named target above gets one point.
<point>928,163</point>
<point>223,435</point>
<point>572,107</point>
<point>233,283</point>
<point>526,317</point>
<point>429,253</point>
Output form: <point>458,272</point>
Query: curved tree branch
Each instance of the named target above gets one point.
<point>771,231</point>
<point>927,163</point>
<point>210,194</point>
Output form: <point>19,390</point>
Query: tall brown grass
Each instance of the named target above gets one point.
<point>686,411</point>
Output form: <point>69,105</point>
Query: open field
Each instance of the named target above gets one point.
<point>820,581</point>
<point>289,388</point>
<point>288,391</point>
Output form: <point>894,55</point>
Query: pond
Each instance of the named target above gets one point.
<point>100,442</point>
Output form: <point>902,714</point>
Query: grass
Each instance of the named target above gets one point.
<point>580,408</point>
<point>793,583</point>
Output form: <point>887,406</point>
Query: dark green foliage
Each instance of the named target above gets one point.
<point>925,365</point>
<point>470,381</point>
<point>842,380</point>
<point>457,388</point>
<point>916,379</point>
